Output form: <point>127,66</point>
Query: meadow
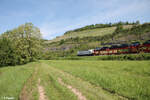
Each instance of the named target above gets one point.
<point>12,80</point>
<point>129,79</point>
<point>77,79</point>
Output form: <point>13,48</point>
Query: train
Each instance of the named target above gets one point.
<point>117,49</point>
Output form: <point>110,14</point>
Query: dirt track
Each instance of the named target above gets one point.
<point>41,91</point>
<point>74,90</point>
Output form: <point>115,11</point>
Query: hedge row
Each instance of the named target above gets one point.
<point>126,57</point>
<point>145,56</point>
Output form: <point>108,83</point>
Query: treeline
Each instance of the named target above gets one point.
<point>94,26</point>
<point>20,45</point>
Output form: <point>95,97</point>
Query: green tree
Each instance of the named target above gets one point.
<point>24,43</point>
<point>7,54</point>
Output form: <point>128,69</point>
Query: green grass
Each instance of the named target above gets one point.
<point>55,91</point>
<point>126,78</point>
<point>96,80</point>
<point>12,80</point>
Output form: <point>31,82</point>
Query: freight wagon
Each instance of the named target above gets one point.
<point>135,47</point>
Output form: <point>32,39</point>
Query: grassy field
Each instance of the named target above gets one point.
<point>129,79</point>
<point>77,80</point>
<point>12,80</point>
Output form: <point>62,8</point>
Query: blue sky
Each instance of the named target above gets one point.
<point>54,17</point>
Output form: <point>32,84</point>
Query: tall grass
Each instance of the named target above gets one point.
<point>129,79</point>
<point>12,80</point>
<point>54,90</point>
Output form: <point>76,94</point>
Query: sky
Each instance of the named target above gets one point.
<point>55,17</point>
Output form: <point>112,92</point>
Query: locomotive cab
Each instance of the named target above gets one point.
<point>85,53</point>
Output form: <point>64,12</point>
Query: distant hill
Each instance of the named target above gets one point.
<point>88,33</point>
<point>90,38</point>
